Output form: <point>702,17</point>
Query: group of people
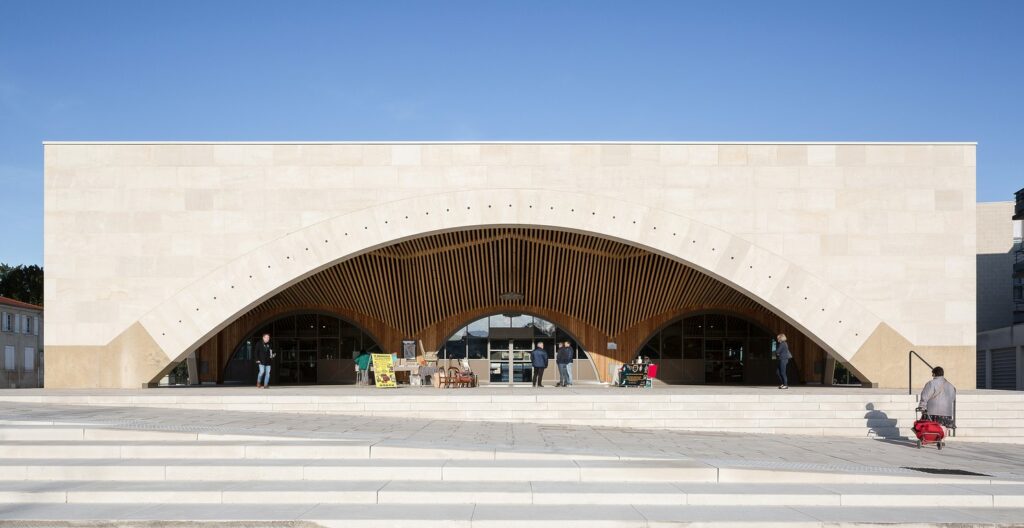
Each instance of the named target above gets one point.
<point>563,359</point>
<point>937,398</point>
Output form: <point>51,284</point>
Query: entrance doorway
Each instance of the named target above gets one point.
<point>510,359</point>
<point>497,348</point>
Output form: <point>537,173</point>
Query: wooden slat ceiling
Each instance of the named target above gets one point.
<point>413,284</point>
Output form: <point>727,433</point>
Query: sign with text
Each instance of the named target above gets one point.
<point>409,349</point>
<point>634,375</point>
<point>384,370</point>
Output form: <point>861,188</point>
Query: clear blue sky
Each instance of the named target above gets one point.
<point>451,70</point>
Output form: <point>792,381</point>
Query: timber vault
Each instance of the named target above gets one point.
<point>601,291</point>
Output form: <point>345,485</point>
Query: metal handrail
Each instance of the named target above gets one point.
<point>910,369</point>
<point>910,381</point>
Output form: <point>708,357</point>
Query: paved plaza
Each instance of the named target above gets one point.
<point>109,458</point>
<point>789,452</point>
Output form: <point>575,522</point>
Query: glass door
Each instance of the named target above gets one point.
<point>521,364</point>
<point>499,352</point>
<point>714,364</point>
<point>510,360</point>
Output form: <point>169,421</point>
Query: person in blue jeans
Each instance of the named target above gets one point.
<point>563,358</point>
<point>783,354</point>
<point>264,357</point>
<point>539,359</point>
<point>568,367</point>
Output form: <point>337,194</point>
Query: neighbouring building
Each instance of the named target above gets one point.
<point>693,254</point>
<point>1000,295</point>
<point>21,342</point>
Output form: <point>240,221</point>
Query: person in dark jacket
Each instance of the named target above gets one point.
<point>264,357</point>
<point>783,354</point>
<point>563,358</point>
<point>539,358</point>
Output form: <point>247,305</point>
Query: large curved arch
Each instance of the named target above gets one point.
<point>179,324</point>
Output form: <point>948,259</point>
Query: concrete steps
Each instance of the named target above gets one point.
<point>34,443</point>
<point>983,416</point>
<point>197,470</point>
<point>198,449</point>
<point>501,516</point>
<point>513,492</point>
<point>71,473</point>
<point>75,433</point>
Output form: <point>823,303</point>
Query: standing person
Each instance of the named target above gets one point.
<point>539,358</point>
<point>264,358</point>
<point>568,366</point>
<point>784,355</point>
<point>563,358</point>
<point>363,364</point>
<point>938,398</point>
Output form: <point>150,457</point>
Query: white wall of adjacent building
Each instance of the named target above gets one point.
<point>1000,342</point>
<point>995,264</point>
<point>21,343</point>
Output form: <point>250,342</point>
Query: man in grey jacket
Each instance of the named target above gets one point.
<point>938,398</point>
<point>784,355</point>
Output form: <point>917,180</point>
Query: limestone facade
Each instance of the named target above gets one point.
<point>995,265</point>
<point>150,248</point>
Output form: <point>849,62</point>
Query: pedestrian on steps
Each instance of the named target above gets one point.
<point>563,358</point>
<point>938,398</point>
<point>568,366</point>
<point>539,358</point>
<point>264,358</point>
<point>784,355</point>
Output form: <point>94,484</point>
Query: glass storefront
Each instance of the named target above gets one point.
<point>712,348</point>
<point>311,349</point>
<point>501,345</point>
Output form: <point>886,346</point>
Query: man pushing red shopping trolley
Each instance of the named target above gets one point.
<point>936,405</point>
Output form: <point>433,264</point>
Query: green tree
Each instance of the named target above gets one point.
<point>22,283</point>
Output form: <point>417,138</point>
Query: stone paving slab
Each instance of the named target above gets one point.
<point>467,492</point>
<point>600,493</point>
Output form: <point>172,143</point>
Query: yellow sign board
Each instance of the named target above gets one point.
<point>384,370</point>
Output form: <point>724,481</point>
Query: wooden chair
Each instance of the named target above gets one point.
<point>457,378</point>
<point>440,380</point>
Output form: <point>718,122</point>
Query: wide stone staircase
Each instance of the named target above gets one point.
<point>62,474</point>
<point>983,416</point>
